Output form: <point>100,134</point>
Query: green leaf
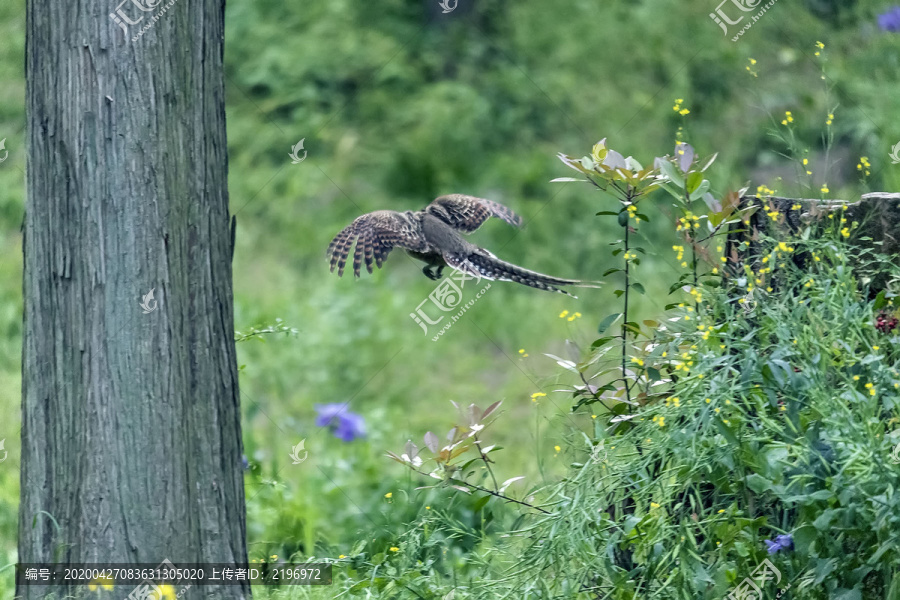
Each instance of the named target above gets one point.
<point>702,189</point>
<point>803,539</point>
<point>726,432</point>
<point>607,213</point>
<point>610,271</point>
<point>605,323</point>
<point>600,342</point>
<point>479,504</point>
<point>623,218</point>
<point>823,521</point>
<point>638,288</point>
<point>709,162</point>
<point>758,483</point>
<point>671,173</point>
<point>693,181</point>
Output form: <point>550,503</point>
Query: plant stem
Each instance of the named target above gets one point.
<point>486,461</point>
<point>487,491</point>
<point>628,196</point>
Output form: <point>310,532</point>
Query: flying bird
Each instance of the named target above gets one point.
<point>432,235</point>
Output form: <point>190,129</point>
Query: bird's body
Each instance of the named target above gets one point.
<point>432,235</point>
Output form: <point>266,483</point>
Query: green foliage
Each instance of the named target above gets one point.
<point>397,104</point>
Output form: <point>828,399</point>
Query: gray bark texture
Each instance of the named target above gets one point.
<point>131,439</point>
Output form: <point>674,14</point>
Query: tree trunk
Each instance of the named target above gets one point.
<point>131,440</point>
<point>873,223</point>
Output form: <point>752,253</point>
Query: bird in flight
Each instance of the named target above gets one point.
<point>432,235</point>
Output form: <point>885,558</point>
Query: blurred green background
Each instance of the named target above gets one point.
<point>398,103</point>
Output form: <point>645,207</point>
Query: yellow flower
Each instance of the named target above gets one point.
<point>830,119</point>
<point>721,510</point>
<point>637,361</point>
<point>824,189</point>
<point>105,582</point>
<point>165,591</point>
<point>593,416</point>
<point>389,494</point>
<point>341,556</point>
<point>845,232</point>
<point>537,395</point>
<point>820,45</point>
<point>856,378</point>
<point>654,505</point>
<point>557,448</point>
<point>683,112</point>
<point>563,314</point>
<point>394,549</point>
<point>876,347</point>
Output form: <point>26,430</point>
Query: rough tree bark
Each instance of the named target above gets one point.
<point>131,442</point>
<point>876,217</point>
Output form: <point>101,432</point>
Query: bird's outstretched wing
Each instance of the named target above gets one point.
<point>375,235</point>
<point>467,213</point>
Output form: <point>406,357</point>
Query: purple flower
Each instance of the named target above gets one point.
<point>890,21</point>
<point>344,424</point>
<point>782,542</point>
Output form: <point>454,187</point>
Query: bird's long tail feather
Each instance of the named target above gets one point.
<point>491,267</point>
